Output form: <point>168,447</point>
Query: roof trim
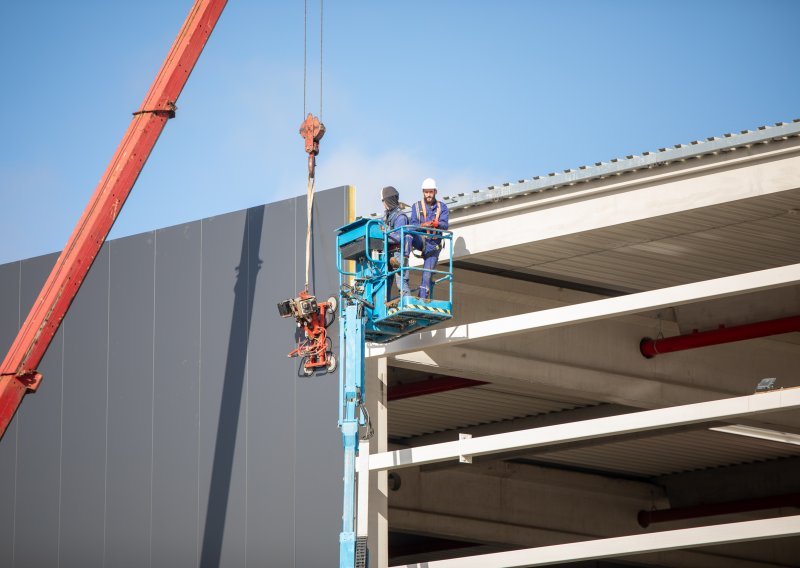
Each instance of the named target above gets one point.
<point>695,149</point>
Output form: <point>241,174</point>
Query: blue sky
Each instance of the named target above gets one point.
<point>470,92</point>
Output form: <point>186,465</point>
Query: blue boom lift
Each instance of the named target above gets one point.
<point>369,314</point>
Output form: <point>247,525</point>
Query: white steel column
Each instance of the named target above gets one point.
<point>590,311</point>
<point>725,409</point>
<point>375,378</point>
<point>627,545</point>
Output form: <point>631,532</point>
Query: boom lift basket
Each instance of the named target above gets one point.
<point>365,243</point>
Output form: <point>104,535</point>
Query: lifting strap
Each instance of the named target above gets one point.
<point>310,203</point>
<point>312,130</point>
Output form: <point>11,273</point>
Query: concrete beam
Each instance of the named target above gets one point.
<point>559,380</point>
<point>641,196</point>
<point>530,496</point>
<point>476,530</point>
<point>520,506</point>
<point>590,429</point>
<point>591,311</point>
<point>516,424</point>
<point>627,545</point>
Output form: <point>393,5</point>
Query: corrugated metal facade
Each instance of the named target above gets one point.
<point>170,428</point>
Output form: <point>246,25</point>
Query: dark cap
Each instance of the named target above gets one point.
<point>389,191</point>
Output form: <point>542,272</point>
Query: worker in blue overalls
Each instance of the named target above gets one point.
<point>395,217</point>
<point>429,213</point>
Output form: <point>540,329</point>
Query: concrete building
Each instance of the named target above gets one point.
<point>557,281</point>
<point>574,432</point>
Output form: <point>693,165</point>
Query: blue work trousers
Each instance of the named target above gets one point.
<point>430,249</point>
<point>428,264</point>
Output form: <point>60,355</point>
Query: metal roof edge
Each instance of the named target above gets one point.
<point>617,166</point>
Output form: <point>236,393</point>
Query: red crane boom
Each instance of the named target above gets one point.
<point>18,374</point>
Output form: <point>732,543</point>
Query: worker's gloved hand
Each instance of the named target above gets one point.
<point>394,263</point>
<point>435,224</point>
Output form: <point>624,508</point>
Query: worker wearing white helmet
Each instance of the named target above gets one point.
<point>429,214</point>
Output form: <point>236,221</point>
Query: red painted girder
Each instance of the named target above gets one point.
<point>19,366</point>
<point>652,347</point>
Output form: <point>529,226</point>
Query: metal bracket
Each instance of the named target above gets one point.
<point>464,458</point>
<point>169,112</point>
<point>28,379</point>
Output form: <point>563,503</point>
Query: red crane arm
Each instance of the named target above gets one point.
<point>18,373</point>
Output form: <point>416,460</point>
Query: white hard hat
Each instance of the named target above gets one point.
<point>429,183</point>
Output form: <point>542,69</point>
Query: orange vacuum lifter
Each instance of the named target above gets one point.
<point>314,347</point>
<point>18,372</point>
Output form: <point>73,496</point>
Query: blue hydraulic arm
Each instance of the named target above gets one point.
<point>350,418</point>
<point>368,314</point>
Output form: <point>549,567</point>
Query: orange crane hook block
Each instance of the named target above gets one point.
<point>312,130</point>
<point>313,346</point>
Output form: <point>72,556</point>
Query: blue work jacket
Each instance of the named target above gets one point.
<point>397,218</point>
<point>421,212</point>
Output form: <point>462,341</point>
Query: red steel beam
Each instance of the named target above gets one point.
<point>429,386</point>
<point>652,347</point>
<point>18,373</point>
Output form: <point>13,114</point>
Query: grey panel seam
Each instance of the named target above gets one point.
<point>108,366</point>
<point>199,393</point>
<point>247,385</point>
<point>61,440</point>
<point>16,432</point>
<point>19,296</point>
<point>152,402</point>
<point>14,506</point>
<point>294,418</point>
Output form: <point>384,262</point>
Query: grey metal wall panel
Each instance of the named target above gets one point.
<point>83,437</point>
<point>223,432</point>
<point>318,498</point>
<point>9,324</point>
<point>9,304</point>
<point>130,402</point>
<point>188,439</point>
<point>174,529</point>
<point>37,527</point>
<point>271,450</point>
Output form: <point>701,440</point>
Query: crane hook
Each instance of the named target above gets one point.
<point>312,130</point>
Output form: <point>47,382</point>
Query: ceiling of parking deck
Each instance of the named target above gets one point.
<point>694,245</point>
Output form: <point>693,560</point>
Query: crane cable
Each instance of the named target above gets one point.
<point>305,54</point>
<point>312,130</point>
